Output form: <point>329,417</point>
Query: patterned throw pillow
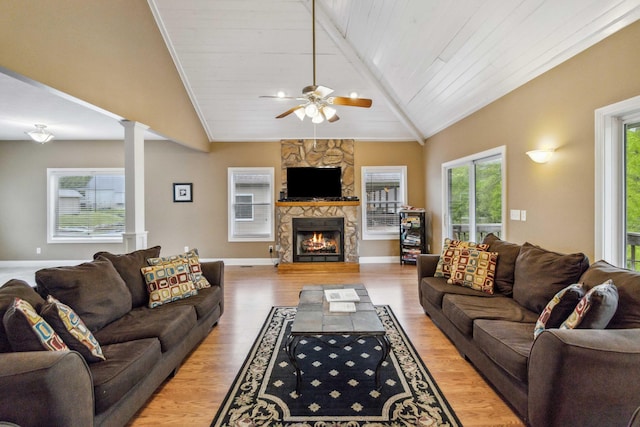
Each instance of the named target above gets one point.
<point>167,282</point>
<point>559,308</point>
<point>596,309</point>
<point>443,269</point>
<point>474,269</point>
<point>72,329</point>
<point>195,268</point>
<point>27,331</point>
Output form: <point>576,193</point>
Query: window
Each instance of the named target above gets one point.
<point>616,127</point>
<point>632,195</point>
<point>250,204</point>
<point>474,196</point>
<point>384,192</point>
<point>85,205</point>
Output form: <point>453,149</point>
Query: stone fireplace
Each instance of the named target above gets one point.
<point>338,152</point>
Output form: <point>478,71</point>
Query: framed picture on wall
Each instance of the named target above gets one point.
<point>182,192</point>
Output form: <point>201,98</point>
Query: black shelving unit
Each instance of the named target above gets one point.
<point>413,236</point>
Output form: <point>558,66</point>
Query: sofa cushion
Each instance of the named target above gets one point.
<point>28,331</point>
<point>435,288</point>
<point>10,290</point>
<point>127,364</point>
<point>71,329</point>
<point>474,269</point>
<point>463,310</point>
<point>195,268</point>
<point>169,323</point>
<point>167,282</point>
<point>628,284</point>
<point>128,266</point>
<point>596,309</point>
<point>204,302</point>
<point>94,290</point>
<point>559,308</point>
<point>506,264</point>
<point>506,343</point>
<point>540,274</point>
<point>443,269</point>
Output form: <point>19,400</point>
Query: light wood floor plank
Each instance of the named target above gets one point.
<point>193,396</point>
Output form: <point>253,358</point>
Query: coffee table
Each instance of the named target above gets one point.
<point>314,319</point>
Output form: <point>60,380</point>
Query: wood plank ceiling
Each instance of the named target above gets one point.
<point>425,63</point>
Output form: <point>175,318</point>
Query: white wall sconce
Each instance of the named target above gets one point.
<point>40,135</point>
<point>540,156</point>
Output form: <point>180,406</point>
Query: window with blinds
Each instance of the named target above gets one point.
<point>251,199</point>
<point>384,193</point>
<point>86,205</point>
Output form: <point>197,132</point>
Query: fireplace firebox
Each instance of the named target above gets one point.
<point>318,239</point>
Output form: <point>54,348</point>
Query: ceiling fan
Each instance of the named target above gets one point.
<point>317,104</point>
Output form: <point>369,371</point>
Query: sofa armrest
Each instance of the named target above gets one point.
<point>214,272</point>
<point>427,264</point>
<point>584,377</point>
<point>52,388</point>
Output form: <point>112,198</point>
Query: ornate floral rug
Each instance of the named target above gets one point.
<point>338,385</point>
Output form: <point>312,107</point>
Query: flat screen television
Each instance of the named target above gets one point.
<point>314,182</point>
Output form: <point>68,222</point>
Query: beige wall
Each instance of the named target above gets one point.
<point>557,106</point>
<point>201,224</point>
<point>107,53</point>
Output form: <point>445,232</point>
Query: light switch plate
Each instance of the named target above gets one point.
<point>515,215</point>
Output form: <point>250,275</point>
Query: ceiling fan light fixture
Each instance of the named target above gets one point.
<point>318,118</point>
<point>328,112</point>
<point>300,113</point>
<point>311,110</point>
<point>40,135</point>
<point>353,95</point>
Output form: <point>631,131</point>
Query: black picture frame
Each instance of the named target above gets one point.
<point>182,192</point>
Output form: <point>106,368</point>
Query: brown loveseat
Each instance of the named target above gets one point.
<point>564,377</point>
<point>142,346</point>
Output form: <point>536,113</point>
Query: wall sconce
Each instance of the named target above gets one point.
<point>540,156</point>
<point>40,135</point>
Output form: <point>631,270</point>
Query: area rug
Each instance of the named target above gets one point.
<point>338,386</point>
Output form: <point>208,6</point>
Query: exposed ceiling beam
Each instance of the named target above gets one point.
<point>347,49</point>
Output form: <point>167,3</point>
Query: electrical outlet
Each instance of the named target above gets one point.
<point>38,251</point>
<point>270,249</point>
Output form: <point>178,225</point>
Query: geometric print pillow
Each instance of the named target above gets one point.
<point>443,269</point>
<point>559,308</point>
<point>167,282</point>
<point>195,268</point>
<point>596,308</point>
<point>72,329</point>
<point>27,331</point>
<point>473,269</point>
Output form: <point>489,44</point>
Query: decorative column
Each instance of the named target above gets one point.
<point>135,235</point>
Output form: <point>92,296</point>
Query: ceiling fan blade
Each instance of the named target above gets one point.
<point>289,111</point>
<point>335,118</point>
<point>352,102</point>
<point>277,97</point>
<point>323,91</point>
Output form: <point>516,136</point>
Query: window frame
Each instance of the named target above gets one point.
<point>53,174</point>
<point>470,160</point>
<point>366,170</point>
<point>231,173</point>
<point>609,216</point>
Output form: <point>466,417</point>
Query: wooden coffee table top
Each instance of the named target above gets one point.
<point>314,318</point>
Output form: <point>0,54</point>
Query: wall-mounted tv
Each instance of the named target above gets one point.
<point>314,182</point>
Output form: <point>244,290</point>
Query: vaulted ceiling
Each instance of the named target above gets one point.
<point>425,63</point>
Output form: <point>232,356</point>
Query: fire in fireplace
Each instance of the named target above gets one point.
<point>318,239</point>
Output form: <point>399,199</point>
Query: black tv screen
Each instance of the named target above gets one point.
<point>314,182</point>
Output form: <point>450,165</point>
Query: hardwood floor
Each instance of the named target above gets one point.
<point>192,397</point>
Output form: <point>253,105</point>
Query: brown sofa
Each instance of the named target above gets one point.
<point>142,346</point>
<point>564,377</point>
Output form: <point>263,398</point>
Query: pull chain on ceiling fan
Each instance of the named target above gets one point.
<point>317,102</point>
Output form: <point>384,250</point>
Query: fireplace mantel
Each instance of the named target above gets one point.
<point>320,203</point>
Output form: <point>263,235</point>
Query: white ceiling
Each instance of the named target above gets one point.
<point>425,63</point>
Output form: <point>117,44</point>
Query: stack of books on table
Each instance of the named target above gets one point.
<point>342,300</point>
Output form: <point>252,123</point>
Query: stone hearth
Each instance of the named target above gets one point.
<point>286,211</point>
